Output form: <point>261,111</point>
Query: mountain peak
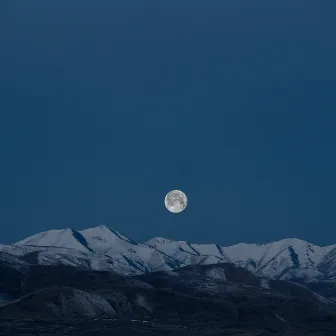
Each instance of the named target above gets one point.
<point>102,238</point>
<point>157,241</point>
<point>67,238</point>
<point>103,227</point>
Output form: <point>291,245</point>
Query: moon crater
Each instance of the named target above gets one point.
<point>176,201</point>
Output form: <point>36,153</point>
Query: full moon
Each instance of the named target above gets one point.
<point>176,201</point>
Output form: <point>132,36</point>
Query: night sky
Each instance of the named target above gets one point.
<point>105,106</point>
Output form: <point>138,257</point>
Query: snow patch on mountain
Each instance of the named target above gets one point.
<point>142,301</point>
<point>87,304</point>
<point>216,273</point>
<point>171,247</point>
<point>68,238</point>
<point>187,253</point>
<point>103,239</point>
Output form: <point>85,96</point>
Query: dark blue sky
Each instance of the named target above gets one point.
<point>106,106</point>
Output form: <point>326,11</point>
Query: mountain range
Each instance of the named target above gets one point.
<point>101,248</point>
<point>80,282</point>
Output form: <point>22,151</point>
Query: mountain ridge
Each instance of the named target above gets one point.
<point>288,258</point>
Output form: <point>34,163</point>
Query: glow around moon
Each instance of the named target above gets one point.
<point>176,201</point>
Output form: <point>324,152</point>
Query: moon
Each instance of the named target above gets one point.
<point>176,201</point>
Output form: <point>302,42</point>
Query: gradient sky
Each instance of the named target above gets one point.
<point>106,106</point>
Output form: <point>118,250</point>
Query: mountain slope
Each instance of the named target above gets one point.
<point>68,238</point>
<point>199,296</point>
<point>59,302</point>
<point>103,239</point>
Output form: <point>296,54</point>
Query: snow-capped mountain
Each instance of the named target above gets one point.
<point>108,248</point>
<point>287,258</point>
<point>102,248</point>
<point>284,259</point>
